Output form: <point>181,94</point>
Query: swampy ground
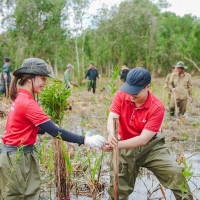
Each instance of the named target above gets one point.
<point>87,115</point>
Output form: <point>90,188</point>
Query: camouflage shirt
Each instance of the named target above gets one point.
<point>182,84</point>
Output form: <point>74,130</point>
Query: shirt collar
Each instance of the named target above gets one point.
<point>147,103</point>
<point>25,92</point>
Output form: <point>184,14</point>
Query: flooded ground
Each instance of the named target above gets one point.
<point>89,115</point>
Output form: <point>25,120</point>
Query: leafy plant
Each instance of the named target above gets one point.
<point>54,100</point>
<point>187,173</point>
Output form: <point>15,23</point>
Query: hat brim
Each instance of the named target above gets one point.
<point>130,89</point>
<point>178,66</point>
<point>39,72</point>
<point>124,68</point>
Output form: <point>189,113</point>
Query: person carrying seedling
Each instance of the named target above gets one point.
<point>124,71</point>
<point>92,75</point>
<point>19,169</point>
<point>140,143</point>
<point>5,77</point>
<point>181,88</point>
<point>67,76</point>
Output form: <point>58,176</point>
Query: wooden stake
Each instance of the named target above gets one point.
<point>163,97</point>
<point>175,102</point>
<point>116,162</point>
<point>6,88</point>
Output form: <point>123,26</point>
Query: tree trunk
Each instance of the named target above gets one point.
<point>116,56</point>
<point>55,63</point>
<point>77,57</point>
<point>50,66</point>
<point>62,187</point>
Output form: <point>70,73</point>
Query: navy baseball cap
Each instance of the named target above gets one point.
<point>137,79</point>
<point>7,59</point>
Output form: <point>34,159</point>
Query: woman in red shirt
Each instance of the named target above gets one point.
<point>20,172</point>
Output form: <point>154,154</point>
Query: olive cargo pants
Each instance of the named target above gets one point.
<point>154,156</point>
<point>20,179</point>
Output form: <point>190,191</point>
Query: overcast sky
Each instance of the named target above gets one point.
<point>180,7</point>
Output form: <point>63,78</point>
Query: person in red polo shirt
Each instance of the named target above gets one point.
<point>19,169</point>
<point>140,144</point>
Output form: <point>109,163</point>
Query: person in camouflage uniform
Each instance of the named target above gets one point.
<point>166,83</point>
<point>92,74</point>
<point>181,88</point>
<point>5,76</point>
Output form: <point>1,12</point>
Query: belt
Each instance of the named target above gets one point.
<point>9,149</point>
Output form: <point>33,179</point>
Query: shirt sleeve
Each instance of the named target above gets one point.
<point>116,104</point>
<point>167,79</point>
<point>87,74</point>
<point>35,114</point>
<point>55,132</point>
<point>154,122</point>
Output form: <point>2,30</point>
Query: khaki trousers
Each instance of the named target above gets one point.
<point>154,156</point>
<point>181,104</point>
<point>20,179</point>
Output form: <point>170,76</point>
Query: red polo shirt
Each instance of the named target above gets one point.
<point>134,119</point>
<point>24,117</point>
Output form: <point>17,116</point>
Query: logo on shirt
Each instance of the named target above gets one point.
<point>144,120</point>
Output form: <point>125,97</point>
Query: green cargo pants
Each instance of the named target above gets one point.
<point>154,156</point>
<point>20,179</point>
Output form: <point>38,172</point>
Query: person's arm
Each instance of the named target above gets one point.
<point>5,72</point>
<point>87,74</point>
<point>166,81</point>
<point>41,131</point>
<point>134,142</point>
<point>137,141</point>
<point>56,132</point>
<point>140,140</point>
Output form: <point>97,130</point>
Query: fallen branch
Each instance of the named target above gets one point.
<point>190,60</point>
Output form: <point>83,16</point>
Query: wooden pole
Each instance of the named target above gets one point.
<point>6,88</point>
<point>175,102</point>
<point>163,97</point>
<point>116,162</point>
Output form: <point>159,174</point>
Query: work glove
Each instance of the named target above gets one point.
<point>95,141</point>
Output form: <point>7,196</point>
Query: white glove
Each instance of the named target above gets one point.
<point>95,141</point>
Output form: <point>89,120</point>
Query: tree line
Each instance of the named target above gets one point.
<point>135,33</point>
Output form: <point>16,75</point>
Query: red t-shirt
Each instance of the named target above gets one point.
<point>132,119</point>
<point>24,117</point>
